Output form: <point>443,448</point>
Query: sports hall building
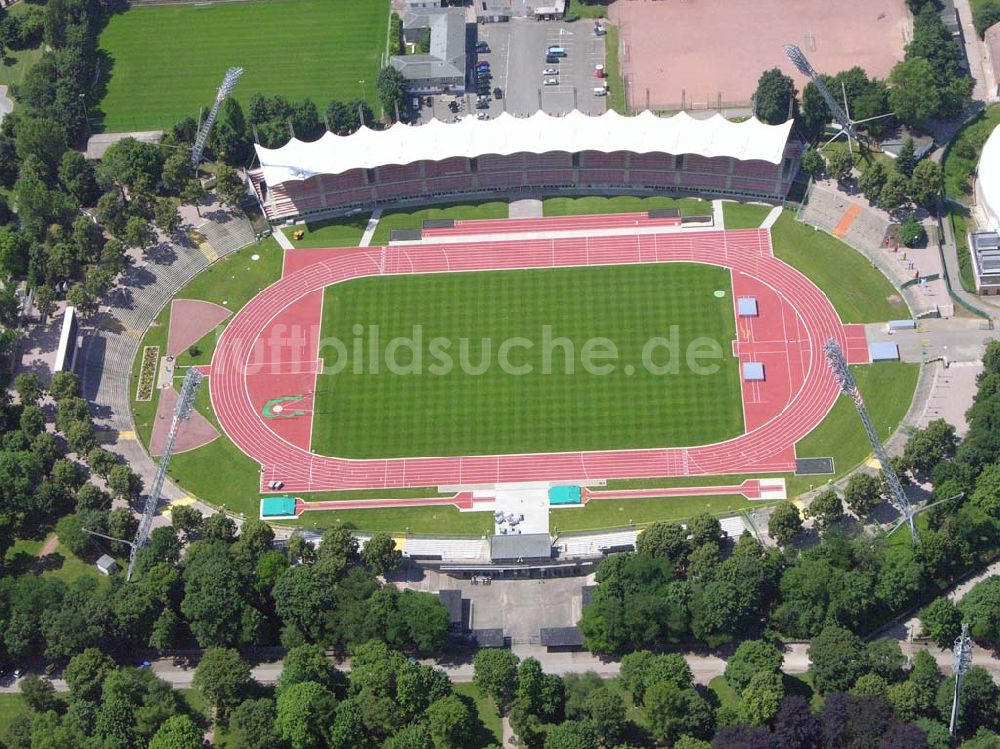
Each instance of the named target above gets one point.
<point>574,153</point>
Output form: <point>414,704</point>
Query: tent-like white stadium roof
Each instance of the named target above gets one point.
<point>988,179</point>
<point>539,133</point>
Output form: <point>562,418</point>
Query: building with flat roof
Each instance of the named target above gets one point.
<point>560,637</point>
<point>520,547</point>
<point>442,68</point>
<point>986,261</point>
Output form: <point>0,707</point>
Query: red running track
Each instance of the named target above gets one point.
<point>750,488</point>
<point>471,227</point>
<point>767,448</point>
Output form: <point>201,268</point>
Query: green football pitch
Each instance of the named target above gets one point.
<point>165,62</point>
<point>479,406</point>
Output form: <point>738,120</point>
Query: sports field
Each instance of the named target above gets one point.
<point>385,414</point>
<point>167,61</point>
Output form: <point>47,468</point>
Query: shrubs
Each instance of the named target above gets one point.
<point>911,232</point>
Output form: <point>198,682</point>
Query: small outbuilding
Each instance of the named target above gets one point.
<point>746,306</point>
<point>753,371</point>
<point>489,638</point>
<point>883,351</point>
<point>452,600</point>
<point>561,638</point>
<point>106,565</point>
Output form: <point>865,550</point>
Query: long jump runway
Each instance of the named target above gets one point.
<point>795,321</point>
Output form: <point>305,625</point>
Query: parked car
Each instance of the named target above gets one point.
<point>556,51</point>
<point>498,93</point>
<point>483,116</point>
<point>550,71</point>
<point>482,47</point>
<point>600,92</point>
<point>551,81</point>
<point>551,59</point>
<point>483,104</point>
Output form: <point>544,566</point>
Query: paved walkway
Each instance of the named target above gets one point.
<point>718,215</point>
<point>772,218</point>
<point>950,252</point>
<point>282,239</point>
<point>985,87</point>
<point>366,238</point>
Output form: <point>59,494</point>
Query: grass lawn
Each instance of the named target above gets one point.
<point>616,82</point>
<point>623,204</point>
<point>963,154</point>
<point>335,232</point>
<point>744,215</point>
<point>449,410</point>
<point>414,219</point>
<point>11,705</point>
<point>859,292</point>
<point>167,61</point>
<point>959,227</point>
<point>861,160</point>
<point>17,61</point>
<point>490,730</point>
<point>585,10</point>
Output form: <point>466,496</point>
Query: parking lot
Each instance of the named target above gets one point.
<point>517,61</point>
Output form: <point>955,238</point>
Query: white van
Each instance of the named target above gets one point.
<point>557,51</point>
<point>601,91</point>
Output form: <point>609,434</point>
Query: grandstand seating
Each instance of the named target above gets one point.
<point>361,188</point>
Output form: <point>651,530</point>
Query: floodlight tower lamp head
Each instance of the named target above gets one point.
<point>798,59</point>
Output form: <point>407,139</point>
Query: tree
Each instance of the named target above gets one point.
<point>942,621</point>
<point>138,233</point>
<point>827,509</point>
<point>813,163</point>
<point>761,699</point>
<point>186,519</point>
<point>231,188</point>
<point>165,214</point>
<point>795,727</point>
<point>840,165</point>
<point>76,176</point>
<point>102,461</point>
<point>862,494</point>
<point>223,677</point>
<point>85,672</point>
<point>380,554</point>
<point>785,522</point>
<point>391,88</point>
<point>672,712</point>
<point>193,193</point>
<point>927,183</point>
<point>980,607</point>
<point>751,657</point>
<point>495,674</point>
<point>837,659</point>
<point>450,723</point>
<point>911,232</point>
<point>306,711</point>
<point>906,162</point>
<point>28,387</point>
<point>895,195</point>
<point>64,385</point>
<point>569,735</point>
<point>177,732</point>
<point>976,702</point>
<point>913,92</point>
<point>885,658</point>
<point>665,540</point>
<point>131,165</point>
<point>306,663</point>
<point>124,483</point>
<point>872,181</point>
<point>251,725</point>
<point>38,693</point>
<point>165,632</point>
<point>774,100</point>
<point>705,529</point>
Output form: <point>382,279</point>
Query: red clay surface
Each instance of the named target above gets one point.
<point>553,223</point>
<point>190,321</point>
<point>191,434</point>
<point>244,353</point>
<point>700,49</point>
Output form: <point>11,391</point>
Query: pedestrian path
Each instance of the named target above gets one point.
<point>284,242</point>
<point>366,238</point>
<point>718,215</point>
<point>772,218</point>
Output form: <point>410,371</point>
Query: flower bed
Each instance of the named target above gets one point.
<point>147,373</point>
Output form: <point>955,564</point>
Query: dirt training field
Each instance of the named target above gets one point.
<point>696,52</point>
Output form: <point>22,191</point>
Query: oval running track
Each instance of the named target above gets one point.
<point>765,449</point>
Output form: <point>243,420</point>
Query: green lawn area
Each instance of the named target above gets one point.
<point>623,204</point>
<point>616,82</point>
<point>859,292</point>
<point>11,705</point>
<point>414,219</point>
<point>577,9</point>
<point>963,154</point>
<point>959,227</point>
<point>167,61</point>
<point>491,729</point>
<point>862,160</point>
<point>463,408</point>
<point>335,232</point>
<point>744,215</point>
<point>17,61</point>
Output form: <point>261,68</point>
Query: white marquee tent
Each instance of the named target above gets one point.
<point>537,134</point>
<point>988,181</point>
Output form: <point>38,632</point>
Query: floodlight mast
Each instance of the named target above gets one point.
<point>961,662</point>
<point>842,115</point>
<point>185,402</point>
<point>229,82</point>
<point>838,365</point>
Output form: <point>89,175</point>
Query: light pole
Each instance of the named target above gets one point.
<point>83,108</point>
<point>364,95</point>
